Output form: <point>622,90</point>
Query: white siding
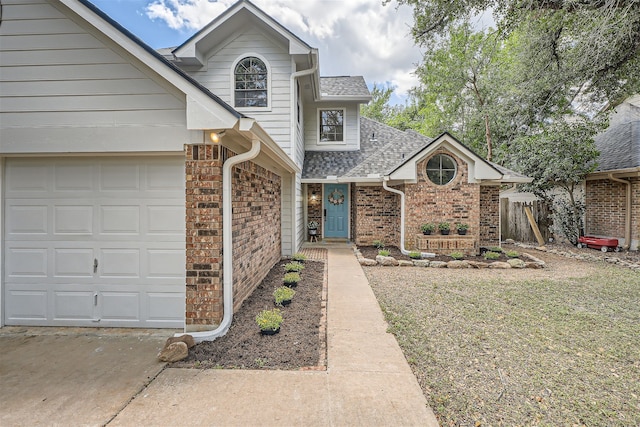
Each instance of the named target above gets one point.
<point>352,132</point>
<point>62,88</point>
<point>217,77</point>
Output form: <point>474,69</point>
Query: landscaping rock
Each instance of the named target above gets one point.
<point>174,352</point>
<point>500,265</point>
<point>367,262</point>
<point>387,261</point>
<point>421,263</point>
<point>187,339</point>
<point>438,264</point>
<point>510,241</point>
<point>478,264</point>
<point>403,263</point>
<point>458,264</point>
<point>532,258</point>
<point>517,263</point>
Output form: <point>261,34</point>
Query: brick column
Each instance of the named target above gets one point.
<point>203,175</point>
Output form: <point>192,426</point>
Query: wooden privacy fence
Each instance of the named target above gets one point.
<point>515,225</point>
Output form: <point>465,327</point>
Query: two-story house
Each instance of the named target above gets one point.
<point>157,189</point>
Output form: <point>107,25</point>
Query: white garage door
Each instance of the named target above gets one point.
<point>94,242</point>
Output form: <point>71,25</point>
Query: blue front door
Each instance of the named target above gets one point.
<point>336,205</point>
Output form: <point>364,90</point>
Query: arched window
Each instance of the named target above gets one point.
<point>251,83</point>
<point>441,169</point>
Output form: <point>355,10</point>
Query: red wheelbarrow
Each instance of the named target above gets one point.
<point>602,243</point>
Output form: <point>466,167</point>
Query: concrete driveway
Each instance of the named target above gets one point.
<point>73,376</point>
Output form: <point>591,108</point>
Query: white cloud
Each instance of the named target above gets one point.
<point>355,37</point>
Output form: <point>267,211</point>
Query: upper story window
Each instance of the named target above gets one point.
<point>441,169</point>
<point>251,83</point>
<point>331,125</point>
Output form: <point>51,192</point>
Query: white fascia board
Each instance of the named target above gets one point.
<point>148,59</point>
<point>353,98</point>
<point>340,180</point>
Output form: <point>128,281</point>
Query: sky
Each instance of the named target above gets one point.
<point>354,37</point>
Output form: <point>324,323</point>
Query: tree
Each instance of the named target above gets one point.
<point>559,157</point>
<point>594,43</point>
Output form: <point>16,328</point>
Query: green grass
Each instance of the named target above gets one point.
<point>501,349</point>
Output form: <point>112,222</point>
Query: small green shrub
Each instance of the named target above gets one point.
<point>378,244</point>
<point>269,320</point>
<point>384,252</point>
<point>512,254</point>
<point>299,257</point>
<point>491,255</point>
<point>291,279</point>
<point>462,226</point>
<point>444,226</point>
<point>294,266</point>
<point>457,255</point>
<point>283,293</point>
<point>496,249</point>
<point>427,227</point>
<point>415,255</point>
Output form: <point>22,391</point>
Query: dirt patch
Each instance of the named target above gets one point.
<point>299,344</point>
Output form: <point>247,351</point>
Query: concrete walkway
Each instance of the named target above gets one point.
<point>367,381</point>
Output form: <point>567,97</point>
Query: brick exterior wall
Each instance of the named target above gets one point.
<point>375,215</point>
<point>606,208</point>
<point>256,231</point>
<point>256,227</point>
<point>203,203</point>
<point>489,215</point>
<point>456,202</point>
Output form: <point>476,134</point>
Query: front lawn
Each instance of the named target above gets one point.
<point>560,346</point>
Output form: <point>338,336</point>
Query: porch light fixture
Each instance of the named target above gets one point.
<point>216,137</point>
<point>314,196</point>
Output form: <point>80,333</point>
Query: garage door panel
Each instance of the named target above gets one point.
<point>27,262</point>
<point>118,306</point>
<point>165,219</point>
<point>76,262</point>
<point>167,307</point>
<point>119,262</point>
<point>25,219</point>
<point>24,304</point>
<point>120,220</point>
<point>74,305</point>
<point>74,176</point>
<point>125,213</point>
<point>73,219</point>
<point>120,177</point>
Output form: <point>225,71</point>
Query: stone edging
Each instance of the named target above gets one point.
<point>581,256</point>
<point>532,262</point>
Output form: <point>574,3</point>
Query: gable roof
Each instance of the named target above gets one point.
<point>344,87</point>
<point>241,14</point>
<point>385,151</point>
<point>619,145</point>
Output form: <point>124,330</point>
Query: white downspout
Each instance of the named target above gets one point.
<point>227,245</point>
<point>294,102</point>
<point>402,249</point>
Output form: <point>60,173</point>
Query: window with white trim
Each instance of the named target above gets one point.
<point>331,125</point>
<point>251,83</point>
<point>441,169</point>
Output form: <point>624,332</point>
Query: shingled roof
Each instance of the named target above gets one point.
<point>382,149</point>
<point>619,145</point>
<point>344,86</point>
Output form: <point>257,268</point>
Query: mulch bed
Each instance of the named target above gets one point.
<point>371,252</point>
<point>299,343</point>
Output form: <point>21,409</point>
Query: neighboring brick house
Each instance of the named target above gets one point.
<point>612,192</point>
<point>157,189</point>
